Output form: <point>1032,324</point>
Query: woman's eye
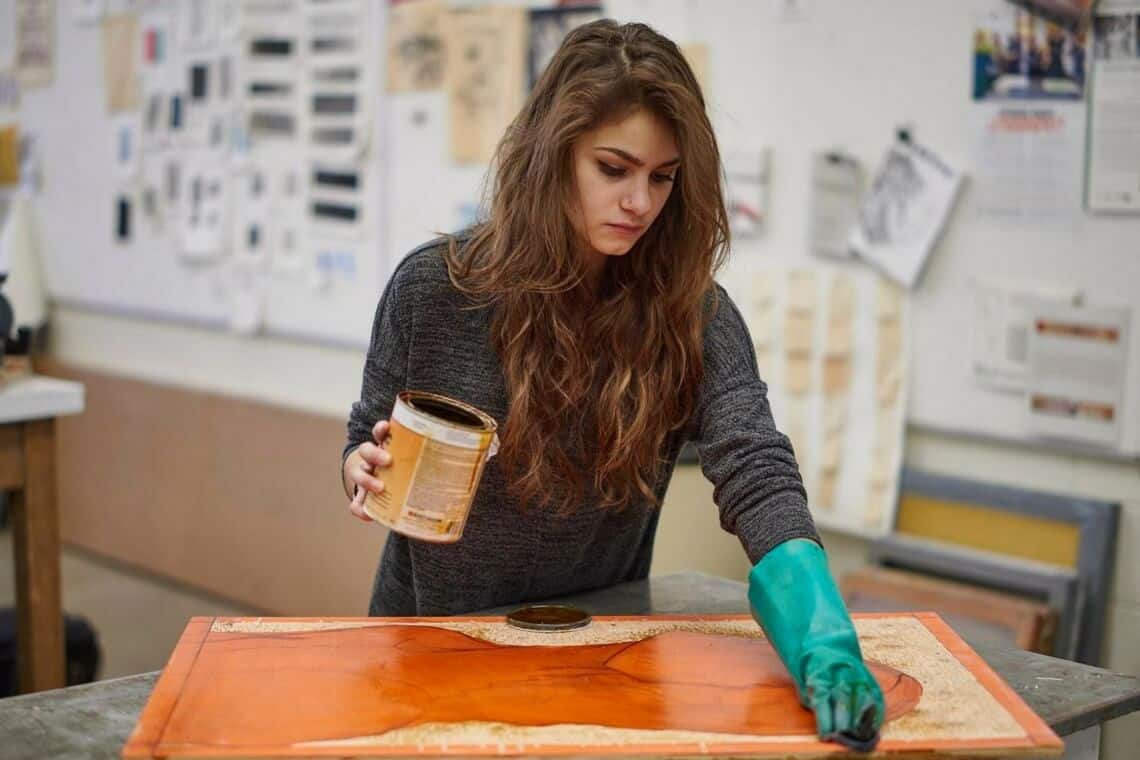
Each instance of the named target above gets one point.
<point>610,170</point>
<point>662,177</point>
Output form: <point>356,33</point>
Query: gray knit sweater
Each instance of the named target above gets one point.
<point>427,337</point>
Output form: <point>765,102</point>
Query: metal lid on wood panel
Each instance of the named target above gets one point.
<point>548,617</point>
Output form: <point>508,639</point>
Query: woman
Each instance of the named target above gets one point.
<point>583,316</point>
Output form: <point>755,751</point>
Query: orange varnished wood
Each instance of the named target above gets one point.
<point>354,682</point>
<point>261,694</point>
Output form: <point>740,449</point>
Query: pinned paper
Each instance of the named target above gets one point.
<point>415,46</point>
<point>245,287</point>
<point>905,211</point>
<point>197,24</point>
<point>746,175</point>
<point>204,205</point>
<point>836,189</point>
<point>271,80</point>
<point>120,63</point>
<point>1078,366</point>
<point>486,57</point>
<point>126,148</point>
<point>252,214</point>
<point>340,87</point>
<point>35,42</point>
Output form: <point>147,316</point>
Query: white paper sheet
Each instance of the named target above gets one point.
<point>1114,119</point>
<point>836,189</point>
<point>205,205</point>
<point>904,212</point>
<point>1078,359</point>
<point>1002,320</point>
<point>746,173</point>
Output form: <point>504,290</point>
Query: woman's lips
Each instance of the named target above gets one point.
<point>625,229</point>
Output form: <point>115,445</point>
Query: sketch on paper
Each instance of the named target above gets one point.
<point>548,27</point>
<point>415,46</point>
<point>904,212</point>
<point>485,62</point>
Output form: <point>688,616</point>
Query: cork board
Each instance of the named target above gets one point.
<point>676,686</point>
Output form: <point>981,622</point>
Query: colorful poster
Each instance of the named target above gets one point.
<point>1020,56</point>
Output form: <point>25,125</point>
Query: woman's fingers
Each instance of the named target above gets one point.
<point>356,506</point>
<point>380,432</point>
<point>374,455</point>
<point>363,475</point>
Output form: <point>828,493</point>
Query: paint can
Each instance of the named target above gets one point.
<point>438,447</point>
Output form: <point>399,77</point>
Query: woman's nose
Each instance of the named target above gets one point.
<point>637,200</point>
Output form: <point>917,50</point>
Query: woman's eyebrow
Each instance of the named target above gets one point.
<point>634,159</point>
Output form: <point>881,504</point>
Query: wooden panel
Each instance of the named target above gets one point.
<point>687,685</point>
<point>1030,624</point>
<point>239,498</point>
<point>996,530</point>
<point>35,523</point>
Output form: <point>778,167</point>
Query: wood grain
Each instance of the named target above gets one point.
<point>356,682</point>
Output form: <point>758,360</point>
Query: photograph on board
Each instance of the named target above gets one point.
<point>1021,56</point>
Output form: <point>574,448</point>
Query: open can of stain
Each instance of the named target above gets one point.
<point>438,446</point>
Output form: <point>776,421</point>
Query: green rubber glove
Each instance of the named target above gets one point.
<point>794,599</point>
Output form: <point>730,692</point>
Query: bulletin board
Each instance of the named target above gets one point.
<point>271,264</point>
<point>798,78</point>
<point>788,78</point>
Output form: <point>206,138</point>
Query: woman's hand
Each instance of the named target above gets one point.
<point>795,600</point>
<point>360,469</point>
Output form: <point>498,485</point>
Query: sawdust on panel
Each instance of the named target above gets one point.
<point>954,705</point>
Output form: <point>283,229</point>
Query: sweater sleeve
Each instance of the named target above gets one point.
<point>385,366</point>
<point>757,485</point>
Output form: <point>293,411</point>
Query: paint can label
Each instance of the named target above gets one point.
<point>438,447</point>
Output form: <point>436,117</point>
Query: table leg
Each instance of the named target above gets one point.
<point>35,530</point>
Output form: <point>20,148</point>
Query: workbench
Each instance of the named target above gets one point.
<point>94,721</point>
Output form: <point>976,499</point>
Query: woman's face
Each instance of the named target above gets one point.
<point>625,172</point>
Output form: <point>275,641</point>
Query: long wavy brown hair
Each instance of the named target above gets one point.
<point>598,375</point>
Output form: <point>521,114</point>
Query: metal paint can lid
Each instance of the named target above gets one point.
<point>548,617</point>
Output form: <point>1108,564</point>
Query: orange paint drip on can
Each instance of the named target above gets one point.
<point>438,447</point>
